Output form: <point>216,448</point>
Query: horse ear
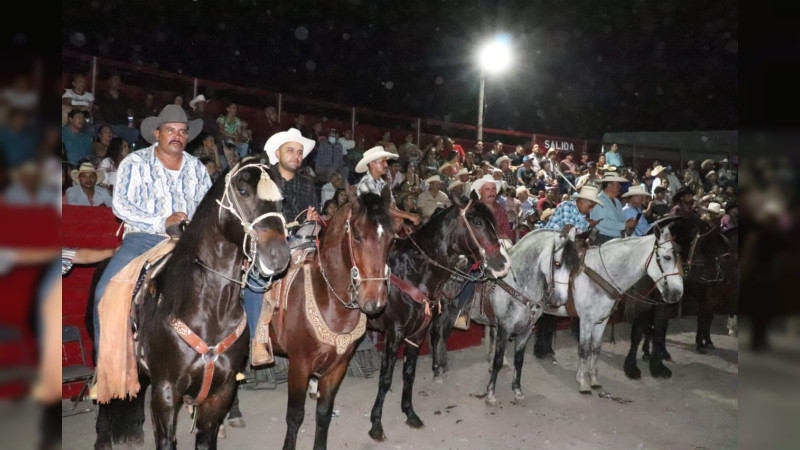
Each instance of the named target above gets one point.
<point>459,200</point>
<point>657,232</point>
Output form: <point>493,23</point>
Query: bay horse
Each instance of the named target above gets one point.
<point>421,265</point>
<point>191,327</point>
<point>541,264</point>
<point>709,261</point>
<point>606,272</point>
<point>326,301</point>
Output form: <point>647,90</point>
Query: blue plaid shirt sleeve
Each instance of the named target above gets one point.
<point>567,214</point>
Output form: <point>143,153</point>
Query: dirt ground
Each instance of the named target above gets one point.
<point>696,409</point>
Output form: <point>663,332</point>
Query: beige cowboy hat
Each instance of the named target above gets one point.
<point>454,185</point>
<point>445,166</point>
<point>501,159</point>
<point>714,208</point>
<point>433,179</point>
<point>170,114</point>
<point>87,167</point>
<point>462,171</point>
<point>549,152</point>
<point>657,170</point>
<point>588,193</point>
<point>636,190</point>
<point>612,176</point>
<point>290,135</point>
<point>546,214</point>
<point>373,154</point>
<point>477,184</point>
<point>198,99</point>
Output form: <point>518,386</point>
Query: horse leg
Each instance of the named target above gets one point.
<point>545,330</point>
<point>164,415</point>
<point>436,335</point>
<point>637,330</point>
<point>390,346</point>
<point>328,386</point>
<point>597,342</point>
<point>121,421</point>
<point>235,417</point>
<point>521,342</point>
<point>210,415</point>
<point>584,351</point>
<point>409,373</point>
<point>298,384</point>
<point>647,331</point>
<point>660,324</point>
<point>497,364</point>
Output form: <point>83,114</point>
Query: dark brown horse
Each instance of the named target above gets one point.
<point>322,309</point>
<point>191,327</point>
<point>421,265</point>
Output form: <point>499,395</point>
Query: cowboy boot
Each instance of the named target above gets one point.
<point>259,355</point>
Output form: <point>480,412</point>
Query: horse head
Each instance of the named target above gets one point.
<point>557,262</point>
<point>478,236</point>
<point>249,215</point>
<point>364,233</point>
<point>664,266</point>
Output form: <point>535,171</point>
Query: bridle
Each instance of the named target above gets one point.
<point>230,203</point>
<point>692,262</point>
<point>355,274</point>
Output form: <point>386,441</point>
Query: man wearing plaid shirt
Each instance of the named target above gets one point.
<point>574,213</point>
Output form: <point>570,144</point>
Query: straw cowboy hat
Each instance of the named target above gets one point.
<point>657,170</point>
<point>588,193</point>
<point>433,179</point>
<point>714,208</point>
<point>196,100</point>
<point>445,166</point>
<point>477,184</point>
<point>291,135</point>
<point>454,184</point>
<point>612,176</point>
<point>546,214</point>
<point>549,152</point>
<point>87,167</point>
<point>636,190</point>
<point>501,159</point>
<point>170,114</point>
<point>462,171</point>
<point>373,154</point>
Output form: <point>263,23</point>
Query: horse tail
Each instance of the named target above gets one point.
<point>121,422</point>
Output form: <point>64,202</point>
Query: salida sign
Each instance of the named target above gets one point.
<point>558,144</point>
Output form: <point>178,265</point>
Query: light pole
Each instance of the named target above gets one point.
<point>494,57</point>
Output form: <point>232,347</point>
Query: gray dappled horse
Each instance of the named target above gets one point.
<point>542,258</point>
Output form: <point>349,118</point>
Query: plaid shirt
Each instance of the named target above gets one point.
<point>509,178</point>
<point>567,214</point>
<point>298,193</point>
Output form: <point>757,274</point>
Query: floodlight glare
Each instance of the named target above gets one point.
<point>495,56</point>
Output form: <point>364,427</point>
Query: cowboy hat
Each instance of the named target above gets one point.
<point>588,193</point>
<point>373,154</point>
<point>612,176</point>
<point>657,170</point>
<point>636,190</point>
<point>454,184</point>
<point>462,171</point>
<point>87,167</point>
<point>170,114</point>
<point>714,208</point>
<point>549,152</point>
<point>546,214</point>
<point>196,100</point>
<point>445,166</point>
<point>291,135</point>
<point>501,159</point>
<point>433,179</point>
<point>477,184</point>
<point>711,172</point>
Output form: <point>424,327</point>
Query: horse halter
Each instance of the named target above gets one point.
<point>355,274</point>
<point>266,190</point>
<point>657,245</point>
<point>479,262</point>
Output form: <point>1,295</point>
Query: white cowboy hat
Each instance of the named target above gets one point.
<point>291,135</point>
<point>454,184</point>
<point>636,190</point>
<point>714,208</point>
<point>170,114</point>
<point>477,184</point>
<point>373,154</point>
<point>462,171</point>
<point>445,166</point>
<point>657,170</point>
<point>196,100</point>
<point>588,193</point>
<point>711,172</point>
<point>501,159</point>
<point>549,152</point>
<point>612,176</point>
<point>87,167</point>
<point>433,179</point>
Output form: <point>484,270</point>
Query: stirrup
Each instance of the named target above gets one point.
<point>259,355</point>
<point>462,322</point>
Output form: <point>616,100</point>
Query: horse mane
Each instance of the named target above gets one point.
<point>375,209</point>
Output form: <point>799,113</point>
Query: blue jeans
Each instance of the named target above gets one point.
<point>252,302</point>
<point>133,245</point>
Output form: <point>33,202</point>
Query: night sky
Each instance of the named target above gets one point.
<point>582,68</point>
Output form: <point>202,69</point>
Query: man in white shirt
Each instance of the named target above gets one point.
<point>329,189</point>
<point>432,198</point>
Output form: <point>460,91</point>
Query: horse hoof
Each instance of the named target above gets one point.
<point>102,446</point>
<point>710,345</point>
<point>376,433</point>
<point>414,422</point>
<point>661,372</point>
<point>491,401</point>
<point>702,350</point>
<point>666,356</point>
<point>237,423</point>
<point>438,379</point>
<point>634,373</point>
<point>222,434</point>
<point>585,391</point>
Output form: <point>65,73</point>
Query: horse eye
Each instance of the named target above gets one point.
<point>356,237</point>
<point>668,258</point>
<point>479,222</point>
<point>243,192</point>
